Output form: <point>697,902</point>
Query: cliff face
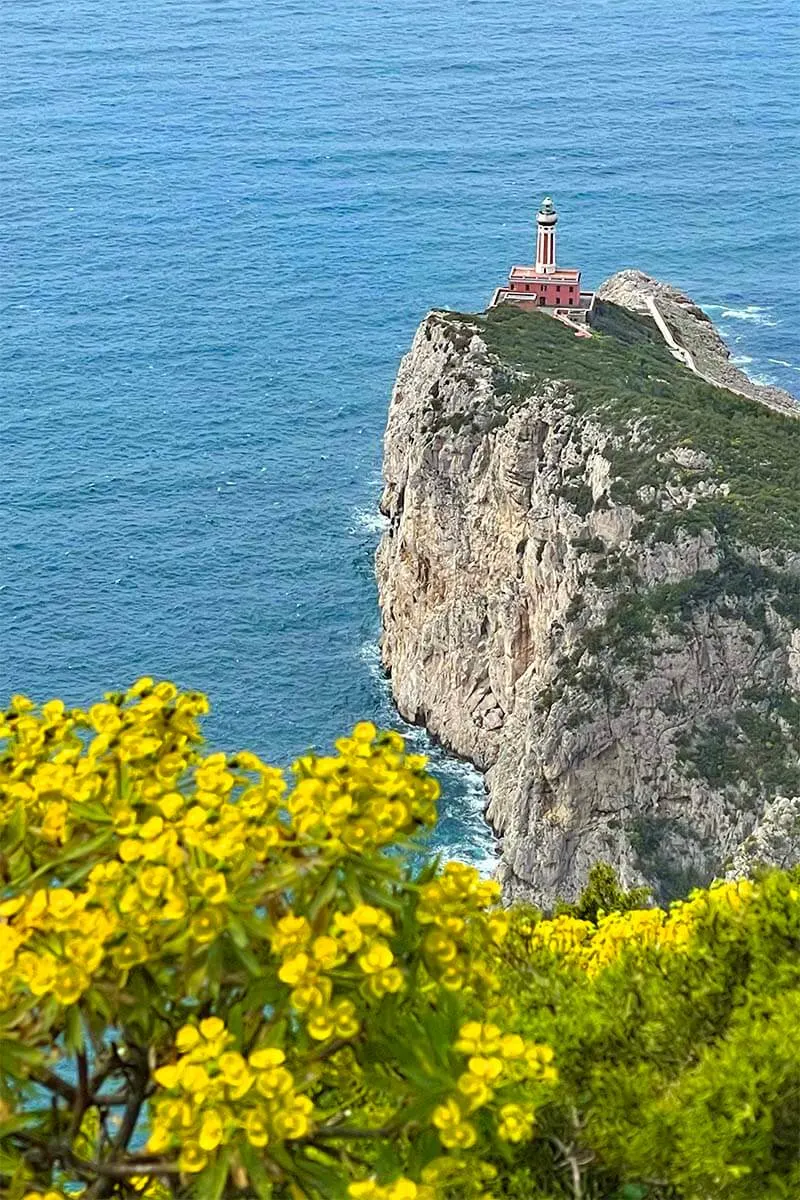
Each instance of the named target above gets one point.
<point>590,587</point>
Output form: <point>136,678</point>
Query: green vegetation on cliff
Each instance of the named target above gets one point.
<point>626,378</point>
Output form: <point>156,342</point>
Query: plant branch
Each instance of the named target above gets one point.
<point>54,1083</point>
<point>82,1096</point>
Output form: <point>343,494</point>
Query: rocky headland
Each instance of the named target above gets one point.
<point>590,588</point>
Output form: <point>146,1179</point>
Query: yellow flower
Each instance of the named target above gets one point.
<point>151,829</point>
<point>187,1038</point>
<point>512,1046</point>
<point>348,931</point>
<point>192,1158</point>
<point>153,881</point>
<point>290,934</point>
<point>295,969</point>
<point>212,885</point>
<point>364,1189</point>
<point>476,1090</point>
<point>390,981</point>
<point>376,957</point>
<point>234,1071</point>
<point>168,1076</point>
<point>326,952</point>
<point>346,1021</point>
<point>211,1131</point>
<point>54,823</point>
<point>105,718</point>
<point>194,1079</point>
<point>54,711</point>
<point>140,688</point>
<point>321,1024</point>
<point>440,947</point>
<point>212,1027</point>
<point>515,1123</point>
<point>454,1131</point>
<point>171,804</point>
<point>294,1121</point>
<point>206,925</point>
<point>266,1058</point>
<point>475,1038</point>
<point>255,1129</point>
<point>70,983</point>
<point>129,850</point>
<point>159,1140</point>
<point>487,1069</point>
<point>174,909</point>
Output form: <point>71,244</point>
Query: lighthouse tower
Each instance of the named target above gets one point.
<point>545,284</point>
<point>546,220</point>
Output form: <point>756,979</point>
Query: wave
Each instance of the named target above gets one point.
<point>368,519</point>
<point>757,314</point>
<point>781,362</point>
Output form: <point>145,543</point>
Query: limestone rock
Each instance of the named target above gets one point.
<point>774,842</point>
<point>626,673</point>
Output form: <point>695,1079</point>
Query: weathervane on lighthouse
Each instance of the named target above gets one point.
<point>546,285</point>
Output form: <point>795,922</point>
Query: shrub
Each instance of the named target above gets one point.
<point>213,982</point>
<point>216,984</point>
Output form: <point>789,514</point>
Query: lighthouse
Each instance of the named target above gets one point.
<point>545,284</point>
<point>546,220</point>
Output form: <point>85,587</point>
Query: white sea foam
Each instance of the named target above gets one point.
<point>781,362</point>
<point>741,360</point>
<point>368,519</point>
<point>755,313</point>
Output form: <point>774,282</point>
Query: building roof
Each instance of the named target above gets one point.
<point>531,275</point>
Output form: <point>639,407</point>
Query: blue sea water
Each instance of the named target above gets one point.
<point>221,223</point>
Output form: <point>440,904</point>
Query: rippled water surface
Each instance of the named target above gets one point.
<point>222,221</point>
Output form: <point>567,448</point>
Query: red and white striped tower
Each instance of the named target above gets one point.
<point>546,219</point>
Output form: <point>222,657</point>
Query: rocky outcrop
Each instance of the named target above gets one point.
<point>590,593</point>
<point>774,839</point>
<point>695,330</point>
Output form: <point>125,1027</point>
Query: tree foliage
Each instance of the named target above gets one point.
<point>215,982</point>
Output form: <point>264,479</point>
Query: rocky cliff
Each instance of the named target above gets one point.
<point>590,587</point>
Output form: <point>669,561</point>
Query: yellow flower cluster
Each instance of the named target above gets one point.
<point>178,836</point>
<point>51,943</point>
<point>371,796</point>
<point>459,908</point>
<point>213,1095</point>
<point>593,947</point>
<point>495,1061</point>
<point>401,1189</point>
<point>355,942</point>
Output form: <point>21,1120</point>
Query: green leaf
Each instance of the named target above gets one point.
<point>73,1031</point>
<point>259,1179</point>
<point>211,1182</point>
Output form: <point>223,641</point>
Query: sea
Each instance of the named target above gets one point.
<point>222,221</point>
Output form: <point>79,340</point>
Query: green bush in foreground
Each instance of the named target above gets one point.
<point>214,984</point>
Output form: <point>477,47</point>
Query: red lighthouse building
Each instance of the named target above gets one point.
<point>545,284</point>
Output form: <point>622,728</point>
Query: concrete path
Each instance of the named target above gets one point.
<point>683,356</point>
<point>679,352</point>
<point>580,330</point>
